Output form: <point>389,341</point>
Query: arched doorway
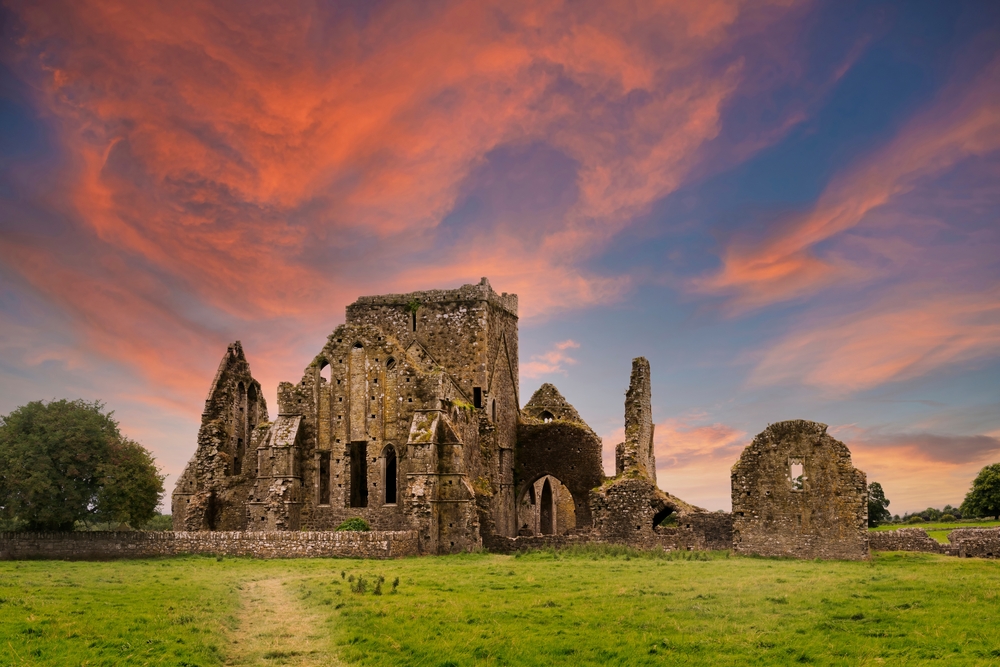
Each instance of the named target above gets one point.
<point>546,511</point>
<point>546,507</point>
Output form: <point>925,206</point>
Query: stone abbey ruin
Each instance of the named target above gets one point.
<point>410,418</point>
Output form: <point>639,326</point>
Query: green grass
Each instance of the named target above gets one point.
<point>591,606</point>
<point>938,530</point>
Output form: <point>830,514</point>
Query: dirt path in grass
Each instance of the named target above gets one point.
<point>276,629</point>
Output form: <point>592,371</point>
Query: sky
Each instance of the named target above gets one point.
<point>789,208</point>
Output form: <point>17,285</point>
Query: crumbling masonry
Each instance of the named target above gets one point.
<point>409,417</point>
<point>796,494</point>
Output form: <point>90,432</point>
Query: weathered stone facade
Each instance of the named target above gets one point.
<point>795,493</point>
<point>212,492</point>
<point>409,417</point>
<point>554,441</point>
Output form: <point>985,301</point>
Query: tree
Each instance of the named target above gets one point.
<point>64,461</point>
<point>983,498</point>
<point>131,486</point>
<point>877,504</point>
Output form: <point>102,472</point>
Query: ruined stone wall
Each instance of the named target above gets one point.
<point>284,544</point>
<point>635,455</point>
<point>709,532</point>
<point>440,497</point>
<point>364,387</point>
<point>903,539</point>
<point>452,325</point>
<point>211,492</point>
<point>823,514</point>
<point>568,451</point>
<point>470,333</point>
<point>501,407</point>
<point>627,509</point>
<point>975,542</point>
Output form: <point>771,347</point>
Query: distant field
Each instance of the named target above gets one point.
<point>592,607</point>
<point>938,530</point>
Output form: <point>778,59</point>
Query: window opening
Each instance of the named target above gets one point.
<point>547,416</point>
<point>238,460</point>
<point>494,406</point>
<point>325,373</point>
<point>390,480</point>
<point>324,478</point>
<point>665,517</point>
<point>796,474</point>
<point>390,363</point>
<point>477,397</point>
<point>359,474</point>
<point>413,319</point>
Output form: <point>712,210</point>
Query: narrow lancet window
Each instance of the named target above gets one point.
<point>390,477</point>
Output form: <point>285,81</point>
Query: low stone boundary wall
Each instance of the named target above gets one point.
<point>138,544</point>
<point>975,542</point>
<point>904,539</point>
<point>714,533</point>
<point>963,542</point>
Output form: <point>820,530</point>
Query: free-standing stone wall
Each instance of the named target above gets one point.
<point>276,544</point>
<point>796,494</point>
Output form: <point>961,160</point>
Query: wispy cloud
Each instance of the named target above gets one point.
<point>788,263</point>
<point>912,332</point>
<point>554,360</point>
<point>919,469</point>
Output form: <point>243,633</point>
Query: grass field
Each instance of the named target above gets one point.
<point>939,531</point>
<point>591,607</point>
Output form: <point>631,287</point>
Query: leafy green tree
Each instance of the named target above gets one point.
<point>130,485</point>
<point>983,498</point>
<point>877,504</point>
<point>57,461</point>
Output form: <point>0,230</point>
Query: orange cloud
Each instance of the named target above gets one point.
<point>259,168</point>
<point>919,470</point>
<point>964,123</point>
<point>552,361</point>
<point>693,458</point>
<point>906,334</point>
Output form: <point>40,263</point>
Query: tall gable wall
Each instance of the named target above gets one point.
<point>776,512</point>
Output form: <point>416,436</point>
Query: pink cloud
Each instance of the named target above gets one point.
<point>919,470</point>
<point>553,361</point>
<point>693,457</point>
<point>912,332</point>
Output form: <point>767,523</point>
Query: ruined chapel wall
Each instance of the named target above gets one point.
<point>452,325</point>
<point>369,398</point>
<point>210,494</point>
<point>635,456</point>
<point>501,410</point>
<point>826,518</point>
<point>569,451</point>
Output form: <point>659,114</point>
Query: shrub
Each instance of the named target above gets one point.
<point>947,518</point>
<point>356,523</point>
<point>916,518</point>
